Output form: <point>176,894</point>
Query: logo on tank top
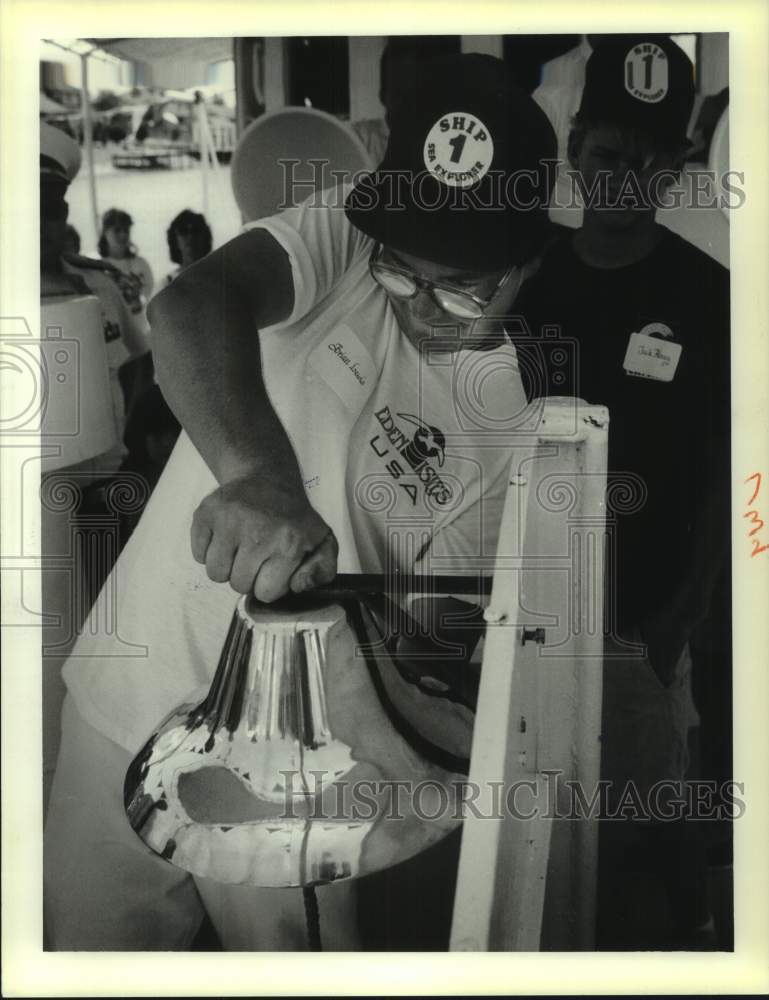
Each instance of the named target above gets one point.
<point>421,447</point>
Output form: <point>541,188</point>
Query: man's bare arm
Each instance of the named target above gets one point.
<point>257,530</point>
<point>206,347</point>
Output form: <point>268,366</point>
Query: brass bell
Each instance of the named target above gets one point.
<point>313,757</point>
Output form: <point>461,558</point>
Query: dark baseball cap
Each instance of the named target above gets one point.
<point>465,180</point>
<point>640,81</point>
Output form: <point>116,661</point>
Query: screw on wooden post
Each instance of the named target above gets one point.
<point>534,635</point>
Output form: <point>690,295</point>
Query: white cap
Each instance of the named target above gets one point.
<point>61,149</point>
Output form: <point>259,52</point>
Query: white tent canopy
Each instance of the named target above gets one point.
<point>150,50</point>
<point>153,49</point>
<point>173,62</point>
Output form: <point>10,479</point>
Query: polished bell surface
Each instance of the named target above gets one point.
<point>312,757</point>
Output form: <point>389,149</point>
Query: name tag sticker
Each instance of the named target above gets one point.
<point>344,363</point>
<point>651,357</point>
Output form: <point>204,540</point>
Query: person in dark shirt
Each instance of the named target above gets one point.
<point>643,320</point>
<point>668,440</point>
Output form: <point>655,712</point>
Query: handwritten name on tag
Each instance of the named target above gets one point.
<point>344,364</point>
<point>651,357</point>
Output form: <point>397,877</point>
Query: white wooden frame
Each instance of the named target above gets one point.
<point>528,882</point>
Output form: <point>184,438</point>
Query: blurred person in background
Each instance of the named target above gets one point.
<point>189,239</point>
<point>65,273</point>
<point>65,278</point>
<point>116,247</point>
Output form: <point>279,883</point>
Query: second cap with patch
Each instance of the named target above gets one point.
<point>640,81</point>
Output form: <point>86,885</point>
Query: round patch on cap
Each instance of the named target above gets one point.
<point>646,72</point>
<point>458,149</point>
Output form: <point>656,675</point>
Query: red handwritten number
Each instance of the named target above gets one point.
<point>757,476</point>
<point>756,520</point>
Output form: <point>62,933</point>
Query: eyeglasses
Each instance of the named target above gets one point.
<point>404,284</point>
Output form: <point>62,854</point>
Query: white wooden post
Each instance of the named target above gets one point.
<point>527,879</point>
